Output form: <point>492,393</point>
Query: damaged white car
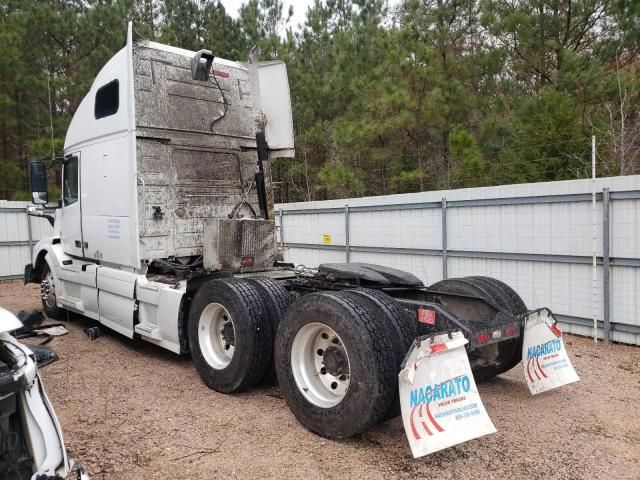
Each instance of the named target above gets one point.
<point>31,443</point>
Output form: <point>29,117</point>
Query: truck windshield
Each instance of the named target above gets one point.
<point>70,179</point>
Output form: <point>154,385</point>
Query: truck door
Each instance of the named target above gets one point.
<point>71,226</point>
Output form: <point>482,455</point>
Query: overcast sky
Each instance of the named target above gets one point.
<point>299,9</point>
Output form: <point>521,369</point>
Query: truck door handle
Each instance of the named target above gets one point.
<point>80,244</point>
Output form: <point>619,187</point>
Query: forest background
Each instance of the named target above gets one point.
<point>416,95</point>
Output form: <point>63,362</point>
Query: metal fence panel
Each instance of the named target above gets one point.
<point>535,237</point>
<point>15,247</point>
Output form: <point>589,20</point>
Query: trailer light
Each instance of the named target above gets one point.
<point>438,347</point>
<point>496,334</point>
<point>510,331</point>
<point>556,330</point>
<point>426,316</point>
<point>483,337</point>
<point>246,262</point>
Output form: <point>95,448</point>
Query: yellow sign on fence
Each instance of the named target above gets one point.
<point>326,239</point>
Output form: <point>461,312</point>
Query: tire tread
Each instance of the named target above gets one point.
<point>276,300</point>
<point>374,357</point>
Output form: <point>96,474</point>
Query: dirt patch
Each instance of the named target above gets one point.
<point>131,410</point>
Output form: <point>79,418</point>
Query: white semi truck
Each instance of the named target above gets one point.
<point>165,233</point>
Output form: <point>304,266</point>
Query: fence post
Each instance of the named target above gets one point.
<point>445,273</point>
<point>30,234</point>
<point>281,216</point>
<point>347,243</point>
<point>606,272</point>
<point>594,267</point>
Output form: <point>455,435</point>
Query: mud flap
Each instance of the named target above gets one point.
<point>440,403</point>
<point>544,356</point>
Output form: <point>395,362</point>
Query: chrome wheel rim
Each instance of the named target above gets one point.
<point>320,365</point>
<point>216,336</point>
<point>49,290</point>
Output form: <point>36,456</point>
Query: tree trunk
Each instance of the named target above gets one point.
<point>446,156</point>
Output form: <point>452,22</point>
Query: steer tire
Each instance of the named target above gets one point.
<point>276,300</point>
<point>252,335</point>
<point>405,330</point>
<point>50,308</point>
<point>366,339</point>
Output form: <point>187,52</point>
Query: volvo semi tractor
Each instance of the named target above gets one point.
<point>165,232</point>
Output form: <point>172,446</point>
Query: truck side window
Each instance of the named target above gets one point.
<point>70,178</point>
<point>107,100</point>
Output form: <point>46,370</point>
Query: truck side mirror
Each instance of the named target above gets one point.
<point>38,180</point>
<point>201,64</point>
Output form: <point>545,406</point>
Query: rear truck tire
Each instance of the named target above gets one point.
<point>230,337</point>
<point>276,300</point>
<point>48,294</point>
<point>510,352</point>
<point>500,296</point>
<point>404,332</point>
<point>335,363</point>
<point>515,301</point>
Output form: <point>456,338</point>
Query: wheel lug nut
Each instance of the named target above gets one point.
<point>323,371</point>
<point>334,385</point>
<point>320,352</point>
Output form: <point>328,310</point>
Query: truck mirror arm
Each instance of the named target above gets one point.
<point>38,211</point>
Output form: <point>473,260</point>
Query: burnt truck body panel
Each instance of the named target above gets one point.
<point>195,148</point>
<point>151,153</point>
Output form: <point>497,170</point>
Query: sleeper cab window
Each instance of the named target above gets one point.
<point>107,100</point>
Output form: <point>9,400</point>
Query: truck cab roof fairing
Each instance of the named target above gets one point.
<point>84,126</point>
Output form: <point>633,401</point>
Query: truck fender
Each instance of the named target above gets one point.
<point>46,251</point>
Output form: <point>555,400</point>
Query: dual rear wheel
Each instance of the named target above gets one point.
<point>337,357</point>
<point>336,354</point>
<point>502,298</point>
<point>231,328</point>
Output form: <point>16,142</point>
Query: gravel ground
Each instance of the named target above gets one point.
<point>130,410</point>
